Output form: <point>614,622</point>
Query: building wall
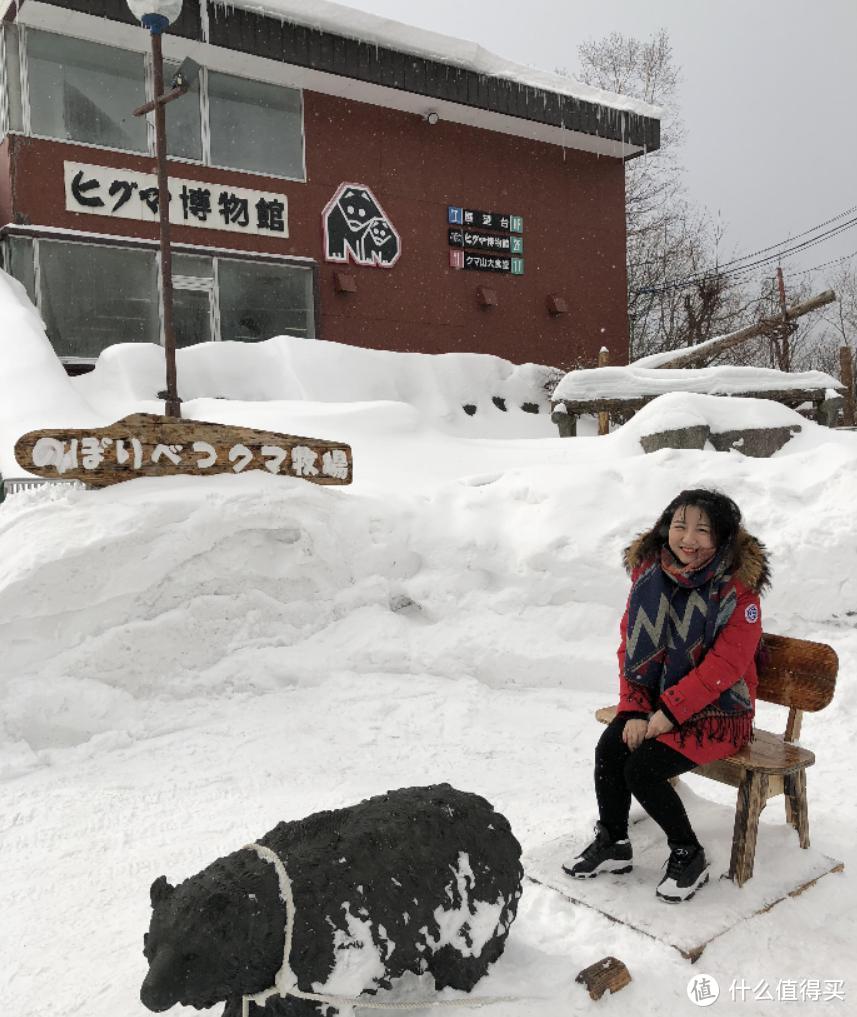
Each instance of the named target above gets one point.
<point>574,237</point>
<point>5,181</point>
<point>572,204</point>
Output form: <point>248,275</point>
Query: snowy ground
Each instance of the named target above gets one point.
<point>187,662</point>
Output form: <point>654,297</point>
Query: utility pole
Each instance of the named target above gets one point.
<point>783,352</point>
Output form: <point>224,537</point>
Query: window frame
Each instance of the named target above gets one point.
<point>4,89</point>
<point>212,281</point>
<point>148,83</point>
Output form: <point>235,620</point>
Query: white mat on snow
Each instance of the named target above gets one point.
<point>781,869</point>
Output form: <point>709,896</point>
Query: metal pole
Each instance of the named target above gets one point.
<point>172,405</point>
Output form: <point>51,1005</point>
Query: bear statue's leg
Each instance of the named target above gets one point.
<point>451,969</point>
<point>288,1006</point>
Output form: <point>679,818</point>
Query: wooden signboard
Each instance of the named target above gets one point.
<point>147,445</point>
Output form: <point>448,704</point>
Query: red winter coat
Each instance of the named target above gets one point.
<point>730,658</point>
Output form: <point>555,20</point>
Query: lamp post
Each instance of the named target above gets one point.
<point>156,16</point>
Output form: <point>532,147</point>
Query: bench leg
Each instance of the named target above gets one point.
<point>752,792</point>
<point>797,813</point>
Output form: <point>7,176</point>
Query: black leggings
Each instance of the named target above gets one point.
<point>645,773</point>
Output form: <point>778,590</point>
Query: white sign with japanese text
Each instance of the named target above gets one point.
<point>128,194</point>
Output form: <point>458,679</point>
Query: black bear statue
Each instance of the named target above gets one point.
<point>421,879</point>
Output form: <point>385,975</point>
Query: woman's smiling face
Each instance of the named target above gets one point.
<point>691,538</point>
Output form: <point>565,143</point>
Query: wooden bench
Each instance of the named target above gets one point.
<point>800,675</point>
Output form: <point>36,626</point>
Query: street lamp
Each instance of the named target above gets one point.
<point>156,16</point>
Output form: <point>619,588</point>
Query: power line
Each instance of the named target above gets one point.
<point>826,264</point>
<point>812,242</point>
<point>782,243</point>
<point>771,247</point>
<point>739,270</point>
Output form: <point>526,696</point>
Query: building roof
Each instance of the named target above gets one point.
<point>341,51</point>
<point>351,23</point>
<point>459,80</point>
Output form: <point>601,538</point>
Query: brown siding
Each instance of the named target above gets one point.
<point>574,234</point>
<point>574,237</point>
<point>5,181</point>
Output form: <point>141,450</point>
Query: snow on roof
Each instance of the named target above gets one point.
<point>633,382</point>
<point>355,24</point>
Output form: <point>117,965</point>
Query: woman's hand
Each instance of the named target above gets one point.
<point>634,732</point>
<point>658,724</point>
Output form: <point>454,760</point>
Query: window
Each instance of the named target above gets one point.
<point>93,297</point>
<point>83,91</point>
<point>10,80</point>
<point>258,301</point>
<point>255,126</point>
<point>183,120</point>
<point>78,90</point>
<point>20,264</point>
<point>194,310</point>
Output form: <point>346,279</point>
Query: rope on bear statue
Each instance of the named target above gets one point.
<point>286,983</point>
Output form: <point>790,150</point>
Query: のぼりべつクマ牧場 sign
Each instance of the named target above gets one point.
<point>147,445</point>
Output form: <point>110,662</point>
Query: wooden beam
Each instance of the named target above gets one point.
<point>699,357</point>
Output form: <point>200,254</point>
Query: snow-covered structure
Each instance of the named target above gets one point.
<point>334,175</point>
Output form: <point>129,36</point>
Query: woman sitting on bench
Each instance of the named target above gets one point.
<point>687,679</point>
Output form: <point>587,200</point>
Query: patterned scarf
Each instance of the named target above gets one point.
<point>674,616</point>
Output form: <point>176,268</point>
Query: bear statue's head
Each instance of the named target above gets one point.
<point>214,937</point>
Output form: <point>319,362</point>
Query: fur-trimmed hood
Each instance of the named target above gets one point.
<point>750,564</point>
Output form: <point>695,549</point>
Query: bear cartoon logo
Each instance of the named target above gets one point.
<point>357,229</point>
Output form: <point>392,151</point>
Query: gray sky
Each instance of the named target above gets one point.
<point>768,96</point>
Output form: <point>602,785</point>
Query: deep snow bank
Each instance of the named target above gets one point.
<point>291,369</point>
<point>117,606</point>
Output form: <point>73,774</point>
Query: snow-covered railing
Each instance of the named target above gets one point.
<point>14,485</point>
<point>621,391</point>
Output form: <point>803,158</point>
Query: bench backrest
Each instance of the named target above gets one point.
<point>796,672</point>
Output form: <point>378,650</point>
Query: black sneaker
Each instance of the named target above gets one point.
<point>603,855</point>
<point>687,871</point>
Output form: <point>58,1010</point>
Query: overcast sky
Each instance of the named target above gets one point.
<point>768,96</point>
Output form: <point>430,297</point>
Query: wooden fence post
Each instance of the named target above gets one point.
<point>846,376</point>
<point>603,418</point>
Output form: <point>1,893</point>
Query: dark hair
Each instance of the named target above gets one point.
<point>722,512</point>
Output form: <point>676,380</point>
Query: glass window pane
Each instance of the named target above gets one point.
<point>20,264</point>
<point>93,297</point>
<point>191,317</point>
<point>192,264</point>
<point>12,72</point>
<point>255,126</point>
<point>259,300</point>
<point>83,91</point>
<point>184,136</point>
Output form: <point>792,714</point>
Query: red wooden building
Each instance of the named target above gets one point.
<point>323,182</point>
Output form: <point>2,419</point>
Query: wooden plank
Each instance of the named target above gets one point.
<point>147,445</point>
<point>797,810</point>
<point>767,753</point>
<point>788,397</point>
<point>609,973</point>
<point>797,672</point>
<point>793,725</point>
<point>752,794</point>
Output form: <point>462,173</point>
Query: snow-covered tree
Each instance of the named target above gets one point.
<point>676,296</point>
